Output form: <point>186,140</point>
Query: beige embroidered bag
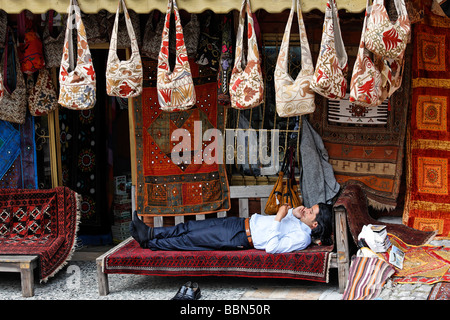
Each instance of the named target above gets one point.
<point>77,85</point>
<point>124,78</point>
<point>383,37</point>
<point>246,84</point>
<point>175,89</point>
<point>13,105</point>
<point>294,97</point>
<point>330,75</point>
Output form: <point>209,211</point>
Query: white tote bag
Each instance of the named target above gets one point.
<point>294,97</point>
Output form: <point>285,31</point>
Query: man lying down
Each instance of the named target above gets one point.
<point>287,231</point>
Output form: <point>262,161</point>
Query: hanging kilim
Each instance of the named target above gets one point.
<point>366,145</point>
<point>170,182</point>
<point>18,168</point>
<point>427,204</point>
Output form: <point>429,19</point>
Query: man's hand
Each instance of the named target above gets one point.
<point>282,212</point>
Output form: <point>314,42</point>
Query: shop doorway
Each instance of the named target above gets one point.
<point>95,159</point>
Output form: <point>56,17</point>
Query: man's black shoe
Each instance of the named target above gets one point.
<point>193,292</point>
<point>182,291</point>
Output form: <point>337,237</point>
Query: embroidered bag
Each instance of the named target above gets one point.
<point>294,97</point>
<point>175,88</point>
<point>30,51</point>
<point>383,37</point>
<point>246,85</point>
<point>366,84</point>
<point>330,75</point>
<point>124,78</point>
<point>13,105</point>
<point>42,98</point>
<point>53,46</point>
<point>77,85</point>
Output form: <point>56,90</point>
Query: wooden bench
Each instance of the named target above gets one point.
<point>339,258</point>
<point>23,264</point>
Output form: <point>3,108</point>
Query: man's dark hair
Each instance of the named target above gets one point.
<point>325,224</point>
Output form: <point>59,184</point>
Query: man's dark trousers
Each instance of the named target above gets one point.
<point>208,234</point>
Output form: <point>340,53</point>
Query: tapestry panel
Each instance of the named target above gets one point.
<point>180,169</point>
<point>366,145</point>
<point>427,204</point>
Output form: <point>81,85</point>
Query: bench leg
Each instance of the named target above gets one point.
<point>27,280</point>
<point>342,248</point>
<point>102,280</point>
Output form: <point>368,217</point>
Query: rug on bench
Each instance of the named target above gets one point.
<point>310,264</point>
<point>39,222</point>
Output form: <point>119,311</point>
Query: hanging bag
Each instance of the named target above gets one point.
<point>383,37</point>
<point>294,97</point>
<point>285,189</point>
<point>124,78</point>
<point>30,51</point>
<point>175,88</point>
<point>13,105</point>
<point>330,75</point>
<point>53,46</point>
<point>77,84</point>
<point>42,98</point>
<point>246,84</point>
<point>366,83</point>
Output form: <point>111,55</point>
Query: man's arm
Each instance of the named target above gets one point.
<point>282,212</point>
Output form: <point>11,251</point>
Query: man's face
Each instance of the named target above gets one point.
<point>307,215</point>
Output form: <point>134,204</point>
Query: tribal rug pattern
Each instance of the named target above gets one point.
<point>440,291</point>
<point>39,222</point>
<point>365,145</point>
<point>427,205</point>
<point>308,264</point>
<point>180,175</point>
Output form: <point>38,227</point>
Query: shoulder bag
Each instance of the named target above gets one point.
<point>366,87</point>
<point>383,37</point>
<point>246,84</point>
<point>175,88</point>
<point>124,78</point>
<point>30,50</point>
<point>151,42</point>
<point>13,105</point>
<point>42,98</point>
<point>294,97</point>
<point>53,46</point>
<point>330,75</point>
<point>77,85</point>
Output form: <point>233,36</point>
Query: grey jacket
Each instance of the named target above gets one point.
<point>317,180</point>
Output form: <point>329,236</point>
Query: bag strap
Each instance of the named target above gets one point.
<point>252,48</point>
<point>130,29</point>
<point>73,15</point>
<point>181,51</point>
<point>307,64</point>
<point>337,34</point>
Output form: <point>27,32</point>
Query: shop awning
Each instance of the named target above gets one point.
<point>196,6</point>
